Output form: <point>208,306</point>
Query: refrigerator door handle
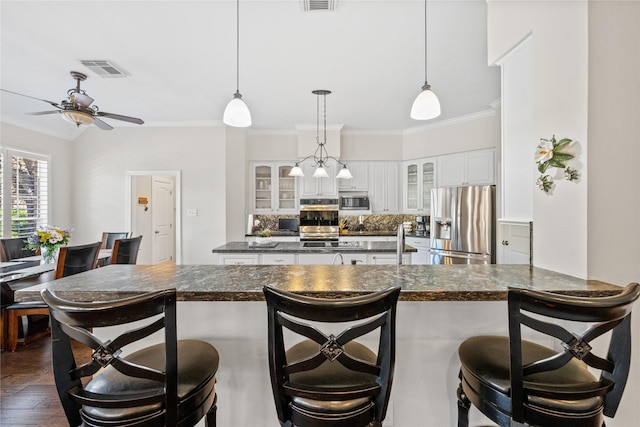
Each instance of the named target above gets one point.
<point>463,255</point>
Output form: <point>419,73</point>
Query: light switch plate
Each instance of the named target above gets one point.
<point>192,212</point>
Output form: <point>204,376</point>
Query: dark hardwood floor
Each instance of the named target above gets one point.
<point>28,395</point>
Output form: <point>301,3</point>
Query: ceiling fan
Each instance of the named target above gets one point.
<point>77,107</point>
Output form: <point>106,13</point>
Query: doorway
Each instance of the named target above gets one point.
<point>153,211</point>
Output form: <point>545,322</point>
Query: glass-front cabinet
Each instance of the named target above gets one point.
<point>273,190</point>
<point>419,179</point>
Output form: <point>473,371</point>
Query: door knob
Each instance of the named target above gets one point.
<point>157,232</point>
<point>505,242</point>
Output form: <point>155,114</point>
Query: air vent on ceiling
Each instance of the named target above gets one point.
<point>309,5</point>
<point>104,68</point>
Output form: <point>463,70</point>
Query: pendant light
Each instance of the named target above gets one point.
<point>426,105</point>
<point>237,113</point>
<point>320,156</point>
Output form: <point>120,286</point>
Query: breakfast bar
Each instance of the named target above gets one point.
<point>439,307</point>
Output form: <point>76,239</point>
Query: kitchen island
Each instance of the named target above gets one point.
<point>439,306</point>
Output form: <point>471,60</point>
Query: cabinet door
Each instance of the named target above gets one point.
<point>317,259</point>
<point>388,259</point>
<point>286,190</point>
<point>411,186</point>
<point>451,170</point>
<point>360,180</point>
<point>392,199</point>
<point>428,182</point>
<point>514,242</point>
<point>262,194</point>
<point>384,197</point>
<point>480,167</point>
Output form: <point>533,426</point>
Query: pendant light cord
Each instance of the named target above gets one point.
<point>425,41</point>
<point>238,46</point>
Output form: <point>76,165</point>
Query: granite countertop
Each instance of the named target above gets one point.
<point>299,248</point>
<point>245,282</point>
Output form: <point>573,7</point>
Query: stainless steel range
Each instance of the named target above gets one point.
<point>319,219</point>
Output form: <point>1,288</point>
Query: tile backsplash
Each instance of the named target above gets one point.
<point>376,222</point>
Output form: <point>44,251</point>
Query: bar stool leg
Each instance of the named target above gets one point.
<point>463,408</point>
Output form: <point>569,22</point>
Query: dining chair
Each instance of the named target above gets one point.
<point>71,260</point>
<point>15,248</point>
<point>516,381</point>
<point>331,378</point>
<point>171,383</point>
<point>125,251</point>
<point>108,239</point>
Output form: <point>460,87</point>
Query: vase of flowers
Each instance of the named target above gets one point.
<point>49,239</point>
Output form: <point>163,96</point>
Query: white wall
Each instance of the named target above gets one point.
<point>464,134</point>
<point>61,165</point>
<point>560,87</point>
<point>101,162</point>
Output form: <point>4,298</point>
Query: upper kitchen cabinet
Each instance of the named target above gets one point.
<point>385,187</point>
<point>360,180</point>
<point>419,179</point>
<point>272,188</point>
<point>314,187</point>
<point>468,168</point>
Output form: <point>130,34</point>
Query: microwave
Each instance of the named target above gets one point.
<point>354,202</point>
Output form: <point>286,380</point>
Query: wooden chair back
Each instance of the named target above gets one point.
<point>15,248</point>
<point>125,251</point>
<point>76,259</point>
<point>360,316</point>
<point>108,238</point>
<point>545,312</point>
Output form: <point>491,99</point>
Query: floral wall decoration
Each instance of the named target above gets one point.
<point>553,153</point>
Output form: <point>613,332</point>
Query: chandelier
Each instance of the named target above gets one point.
<point>321,156</point>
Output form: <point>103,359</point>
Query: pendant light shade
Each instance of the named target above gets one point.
<point>320,172</point>
<point>237,113</point>
<point>296,171</point>
<point>344,173</point>
<point>426,105</point>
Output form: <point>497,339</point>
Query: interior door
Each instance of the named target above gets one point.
<point>162,219</point>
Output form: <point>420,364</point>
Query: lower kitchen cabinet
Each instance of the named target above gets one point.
<point>238,259</point>
<point>385,259</point>
<point>422,244</point>
<point>277,259</point>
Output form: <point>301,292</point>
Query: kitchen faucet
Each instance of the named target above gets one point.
<point>336,256</point>
<point>400,244</point>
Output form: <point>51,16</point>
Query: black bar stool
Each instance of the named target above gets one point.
<point>510,379</point>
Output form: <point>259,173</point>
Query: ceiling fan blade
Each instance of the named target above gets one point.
<point>42,113</point>
<point>102,125</point>
<point>33,97</point>
<point>120,117</point>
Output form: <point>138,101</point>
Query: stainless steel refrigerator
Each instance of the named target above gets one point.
<point>463,224</point>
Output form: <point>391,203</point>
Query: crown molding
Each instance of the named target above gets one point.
<point>450,122</point>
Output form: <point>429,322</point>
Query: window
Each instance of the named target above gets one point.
<point>24,185</point>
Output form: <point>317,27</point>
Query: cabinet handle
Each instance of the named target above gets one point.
<point>505,242</point>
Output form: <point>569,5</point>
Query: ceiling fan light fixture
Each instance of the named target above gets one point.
<point>426,105</point>
<point>237,113</point>
<point>77,117</point>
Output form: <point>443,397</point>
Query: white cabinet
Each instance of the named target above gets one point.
<point>273,190</point>
<point>313,187</point>
<point>386,259</point>
<point>422,244</point>
<point>419,179</point>
<point>317,259</point>
<point>237,259</point>
<point>360,180</point>
<point>277,259</point>
<point>468,168</point>
<point>385,188</point>
<point>514,243</point>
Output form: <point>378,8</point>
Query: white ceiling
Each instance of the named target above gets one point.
<point>181,57</point>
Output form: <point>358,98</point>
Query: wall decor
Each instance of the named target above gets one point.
<point>554,153</point>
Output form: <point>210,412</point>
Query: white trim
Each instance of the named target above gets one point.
<point>450,122</point>
<point>177,174</point>
<point>515,49</point>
